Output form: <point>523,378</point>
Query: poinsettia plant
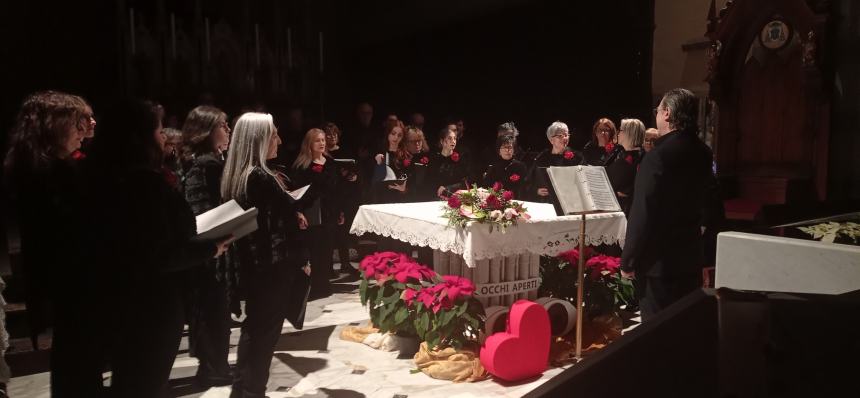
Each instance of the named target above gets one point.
<point>408,298</point>
<point>385,276</point>
<point>604,290</point>
<point>446,313</point>
<point>494,206</point>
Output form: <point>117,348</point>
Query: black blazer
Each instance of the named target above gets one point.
<point>671,189</point>
<point>510,173</point>
<point>538,177</point>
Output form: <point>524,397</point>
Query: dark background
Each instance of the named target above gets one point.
<point>486,61</point>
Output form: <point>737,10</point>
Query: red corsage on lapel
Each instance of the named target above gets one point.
<point>424,160</point>
<point>407,162</point>
<point>317,168</point>
<point>609,147</point>
<point>514,177</point>
<point>568,155</point>
<point>455,156</point>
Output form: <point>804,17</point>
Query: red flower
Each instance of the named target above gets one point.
<point>629,159</point>
<point>572,256</point>
<point>317,168</point>
<point>600,263</point>
<point>378,264</point>
<point>456,287</point>
<point>407,162</point>
<point>78,155</point>
<point>454,202</point>
<point>425,160</point>
<point>497,186</point>
<point>493,203</point>
<point>568,155</point>
<point>609,147</point>
<point>402,271</point>
<point>514,177</point>
<point>409,296</point>
<point>455,156</point>
<point>507,195</point>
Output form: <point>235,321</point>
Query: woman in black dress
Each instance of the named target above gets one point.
<point>506,171</point>
<point>349,188</point>
<point>602,148</point>
<point>140,235</point>
<point>448,171</point>
<point>206,137</point>
<point>417,166</point>
<point>41,179</point>
<point>389,177</point>
<point>268,268</point>
<point>320,209</point>
<point>540,187</point>
<point>623,167</point>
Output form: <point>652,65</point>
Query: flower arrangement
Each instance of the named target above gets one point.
<point>408,298</point>
<point>847,232</point>
<point>494,206</point>
<point>604,290</point>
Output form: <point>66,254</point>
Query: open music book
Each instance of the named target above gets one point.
<point>298,193</point>
<point>224,220</point>
<point>583,189</point>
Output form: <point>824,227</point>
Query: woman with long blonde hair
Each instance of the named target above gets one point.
<point>267,263</point>
<point>320,209</point>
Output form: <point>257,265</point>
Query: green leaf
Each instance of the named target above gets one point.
<point>414,371</point>
<point>401,315</point>
<point>362,290</point>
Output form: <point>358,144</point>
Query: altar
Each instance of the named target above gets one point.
<point>505,266</point>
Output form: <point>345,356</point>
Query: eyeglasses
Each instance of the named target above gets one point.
<point>656,111</point>
<point>563,135</point>
<point>506,148</point>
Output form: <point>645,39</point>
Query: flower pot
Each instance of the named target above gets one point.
<point>562,315</point>
<point>496,321</point>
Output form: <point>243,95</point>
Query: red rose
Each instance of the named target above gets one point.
<point>507,195</point>
<point>497,186</point>
<point>629,159</point>
<point>424,160</point>
<point>454,202</point>
<point>317,168</point>
<point>455,156</point>
<point>609,147</point>
<point>493,203</point>
<point>78,155</point>
<point>514,177</point>
<point>406,162</point>
<point>568,155</point>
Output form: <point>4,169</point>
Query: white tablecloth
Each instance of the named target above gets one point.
<point>421,224</point>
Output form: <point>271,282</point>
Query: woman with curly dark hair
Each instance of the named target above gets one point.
<point>41,178</point>
<point>206,136</point>
<point>140,235</point>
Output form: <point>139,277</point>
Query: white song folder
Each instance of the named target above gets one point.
<point>583,189</point>
<point>224,220</point>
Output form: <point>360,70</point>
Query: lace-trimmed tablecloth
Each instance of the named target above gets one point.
<point>421,224</point>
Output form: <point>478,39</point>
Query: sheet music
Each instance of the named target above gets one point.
<point>227,219</point>
<point>298,193</point>
<point>565,181</point>
<point>601,194</point>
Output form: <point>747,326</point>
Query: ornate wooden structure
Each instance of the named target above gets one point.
<point>769,88</point>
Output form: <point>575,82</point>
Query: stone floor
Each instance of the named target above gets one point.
<point>314,362</point>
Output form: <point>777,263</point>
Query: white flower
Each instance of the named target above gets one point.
<point>510,213</point>
<point>496,215</point>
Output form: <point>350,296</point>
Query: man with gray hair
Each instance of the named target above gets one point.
<point>663,249</point>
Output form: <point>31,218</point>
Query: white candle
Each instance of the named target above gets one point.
<point>208,45</point>
<point>131,23</point>
<point>289,48</point>
<point>321,52</point>
<point>173,35</point>
<point>257,42</point>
